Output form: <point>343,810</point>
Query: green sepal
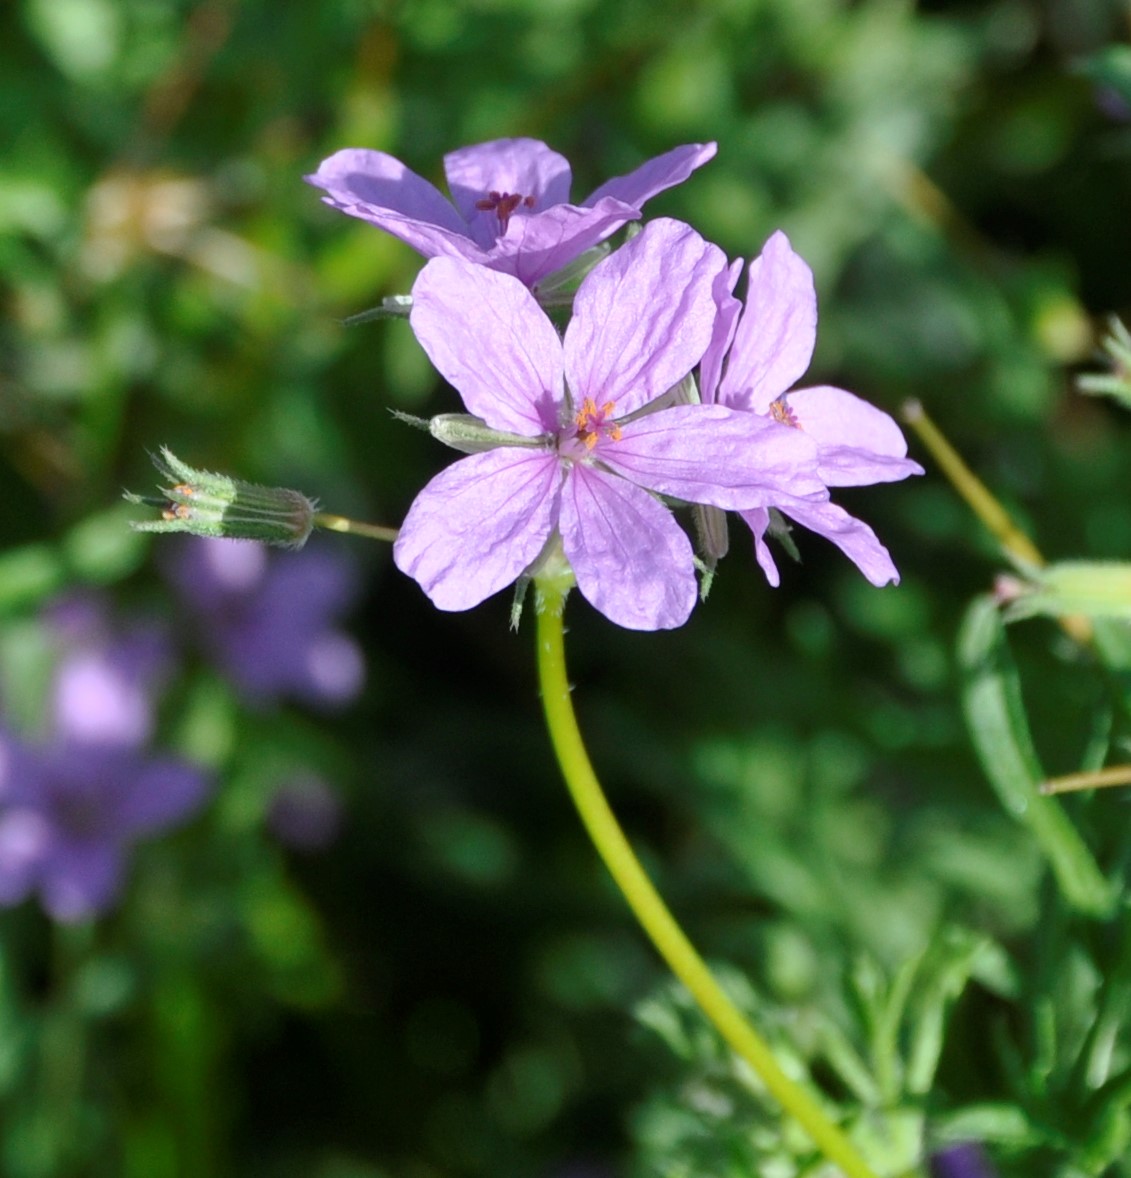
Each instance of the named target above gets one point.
<point>472,435</point>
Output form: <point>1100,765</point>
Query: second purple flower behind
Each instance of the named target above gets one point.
<point>770,345</point>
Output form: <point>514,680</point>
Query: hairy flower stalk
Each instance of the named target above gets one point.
<point>657,921</point>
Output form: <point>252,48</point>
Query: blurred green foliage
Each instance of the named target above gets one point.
<point>445,990</point>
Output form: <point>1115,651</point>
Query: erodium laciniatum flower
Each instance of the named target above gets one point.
<point>584,446</point>
<point>510,208</point>
<point>770,345</point>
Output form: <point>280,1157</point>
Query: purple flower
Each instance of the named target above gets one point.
<point>269,619</point>
<point>510,206</point>
<point>770,347</point>
<point>105,680</point>
<point>583,452</point>
<point>965,1160</point>
<point>70,812</point>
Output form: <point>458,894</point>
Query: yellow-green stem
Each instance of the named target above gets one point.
<point>339,523</point>
<point>977,495</point>
<point>985,505</point>
<point>1096,779</point>
<point>653,914</point>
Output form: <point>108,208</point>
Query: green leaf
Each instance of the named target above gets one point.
<point>995,717</point>
<point>28,575</point>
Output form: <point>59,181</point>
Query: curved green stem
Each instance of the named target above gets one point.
<point>649,908</point>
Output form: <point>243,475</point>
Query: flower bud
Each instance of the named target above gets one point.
<point>206,504</point>
<point>472,435</point>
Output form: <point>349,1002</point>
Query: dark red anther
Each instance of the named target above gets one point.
<point>503,204</point>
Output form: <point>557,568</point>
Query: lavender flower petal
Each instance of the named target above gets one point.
<point>269,623</point>
<point>859,443</point>
<point>479,524</point>
<point>522,167</point>
<point>712,454</point>
<point>380,189</point>
<point>727,311</point>
<point>513,196</point>
<point>658,174</point>
<point>95,702</point>
<point>488,337</point>
<point>643,317</point>
<point>758,521</point>
<point>852,536</point>
<point>631,559</point>
<point>774,341</point>
<point>856,443</point>
<point>537,246</point>
<point>25,839</point>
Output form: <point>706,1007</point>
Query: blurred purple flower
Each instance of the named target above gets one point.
<point>305,814</point>
<point>510,206</point>
<point>966,1160</point>
<point>69,814</point>
<point>574,457</point>
<point>755,357</point>
<point>268,620</point>
<point>105,680</point>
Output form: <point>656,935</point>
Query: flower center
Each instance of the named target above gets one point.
<point>780,411</point>
<point>594,423</point>
<point>503,204</point>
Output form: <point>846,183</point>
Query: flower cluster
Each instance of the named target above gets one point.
<point>662,392</point>
<point>579,445</point>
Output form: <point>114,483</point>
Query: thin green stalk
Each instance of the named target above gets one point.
<point>978,496</point>
<point>652,913</point>
<point>339,523</point>
<point>987,507</point>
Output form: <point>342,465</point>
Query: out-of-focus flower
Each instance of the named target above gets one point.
<point>270,622</point>
<point>770,345</point>
<point>575,450</point>
<point>70,812</point>
<point>510,205</point>
<point>305,814</point>
<point>965,1160</point>
<point>105,679</point>
<point>70,809</point>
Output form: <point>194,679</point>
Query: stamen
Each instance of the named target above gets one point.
<point>593,422</point>
<point>780,411</point>
<point>503,204</point>
<point>179,510</point>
